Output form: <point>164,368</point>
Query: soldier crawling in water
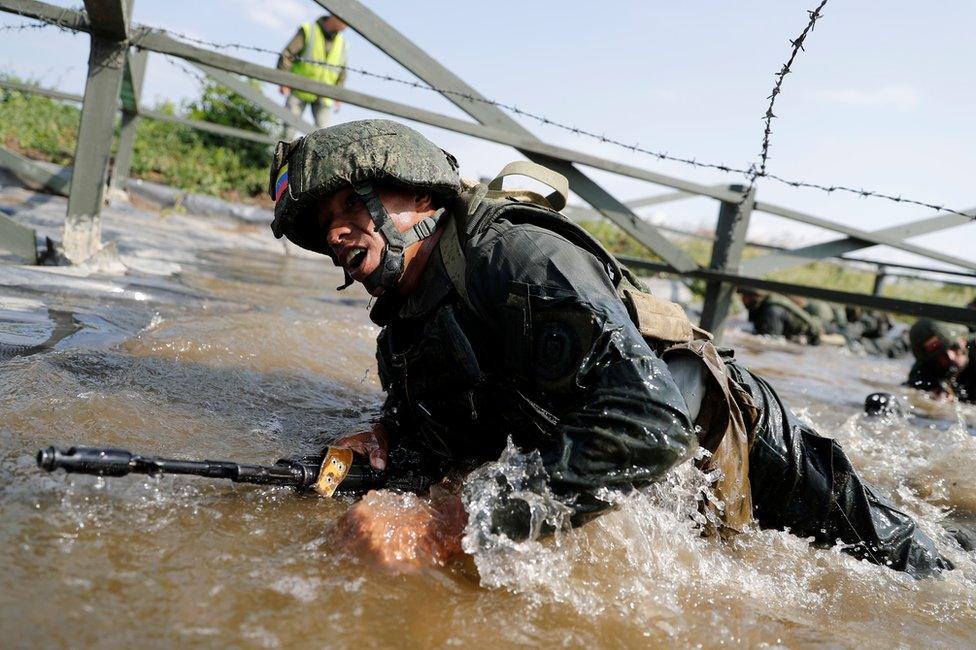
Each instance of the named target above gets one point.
<point>502,319</point>
<point>943,360</point>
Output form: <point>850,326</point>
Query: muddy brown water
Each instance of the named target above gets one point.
<point>244,353</point>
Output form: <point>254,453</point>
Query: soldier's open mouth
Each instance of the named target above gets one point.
<point>355,258</point>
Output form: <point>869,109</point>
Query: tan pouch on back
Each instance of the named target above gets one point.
<point>661,319</point>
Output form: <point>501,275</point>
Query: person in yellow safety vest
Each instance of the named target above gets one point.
<point>313,42</point>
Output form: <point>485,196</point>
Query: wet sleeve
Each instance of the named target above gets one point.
<point>616,418</point>
<point>389,418</point>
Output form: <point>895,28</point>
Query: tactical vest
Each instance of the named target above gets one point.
<point>661,322</point>
<point>728,417</point>
<point>317,49</point>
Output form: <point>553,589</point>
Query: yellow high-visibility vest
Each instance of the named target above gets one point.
<point>316,49</point>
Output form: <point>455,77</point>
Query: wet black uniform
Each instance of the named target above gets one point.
<point>773,315</point>
<point>873,332</point>
<point>549,356</point>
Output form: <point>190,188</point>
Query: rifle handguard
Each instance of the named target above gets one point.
<point>335,467</point>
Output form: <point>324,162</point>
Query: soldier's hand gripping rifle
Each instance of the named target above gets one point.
<point>334,473</point>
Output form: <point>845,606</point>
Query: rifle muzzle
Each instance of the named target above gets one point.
<point>86,460</point>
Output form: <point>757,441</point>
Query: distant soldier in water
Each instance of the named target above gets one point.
<point>832,317</point>
<point>877,333</point>
<point>772,314</point>
<point>503,320</point>
<point>943,360</point>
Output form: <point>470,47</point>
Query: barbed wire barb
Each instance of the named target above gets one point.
<point>759,171</point>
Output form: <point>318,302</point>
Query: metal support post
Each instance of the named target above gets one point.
<point>106,62</point>
<point>131,92</point>
<point>730,241</point>
<point>879,279</point>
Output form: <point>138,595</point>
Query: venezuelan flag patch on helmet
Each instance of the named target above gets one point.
<point>933,344</point>
<point>282,183</point>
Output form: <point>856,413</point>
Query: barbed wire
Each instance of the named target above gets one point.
<point>753,172</point>
<point>757,171</point>
<point>868,194</point>
<point>59,22</point>
<point>23,27</point>
<point>778,86</point>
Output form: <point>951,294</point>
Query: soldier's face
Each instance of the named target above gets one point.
<point>958,355</point>
<point>350,231</point>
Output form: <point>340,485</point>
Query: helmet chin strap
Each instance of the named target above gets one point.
<point>387,274</point>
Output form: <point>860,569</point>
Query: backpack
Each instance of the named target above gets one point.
<point>661,322</point>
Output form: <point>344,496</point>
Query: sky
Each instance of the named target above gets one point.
<point>881,98</point>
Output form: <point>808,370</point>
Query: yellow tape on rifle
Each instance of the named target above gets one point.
<point>334,468</point>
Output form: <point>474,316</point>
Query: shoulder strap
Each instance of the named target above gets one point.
<point>452,254</point>
<point>556,200</point>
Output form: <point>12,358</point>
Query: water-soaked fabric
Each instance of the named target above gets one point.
<point>804,482</point>
<point>560,368</point>
<point>726,418</point>
<point>777,315</point>
<point>543,350</point>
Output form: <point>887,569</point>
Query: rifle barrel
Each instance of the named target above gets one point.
<point>119,462</point>
<point>299,473</point>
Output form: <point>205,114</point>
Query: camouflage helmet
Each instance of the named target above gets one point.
<point>930,338</point>
<point>360,154</point>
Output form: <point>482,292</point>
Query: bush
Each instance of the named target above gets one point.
<point>220,105</point>
<point>167,153</point>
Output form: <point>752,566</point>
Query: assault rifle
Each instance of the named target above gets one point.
<point>335,473</point>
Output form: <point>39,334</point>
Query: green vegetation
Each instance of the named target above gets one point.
<point>817,274</point>
<point>167,153</point>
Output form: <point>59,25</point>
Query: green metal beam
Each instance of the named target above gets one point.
<point>210,127</point>
<point>109,18</point>
<point>33,175</point>
<point>893,305</point>
<point>879,237</point>
<point>106,63</point>
<point>135,69</point>
<point>730,242</point>
<point>18,239</point>
<point>37,90</point>
<point>157,42</point>
<point>82,226</point>
<point>68,18</point>
<point>788,259</point>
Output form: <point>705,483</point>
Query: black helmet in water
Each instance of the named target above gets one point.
<point>359,154</point>
<point>882,404</point>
